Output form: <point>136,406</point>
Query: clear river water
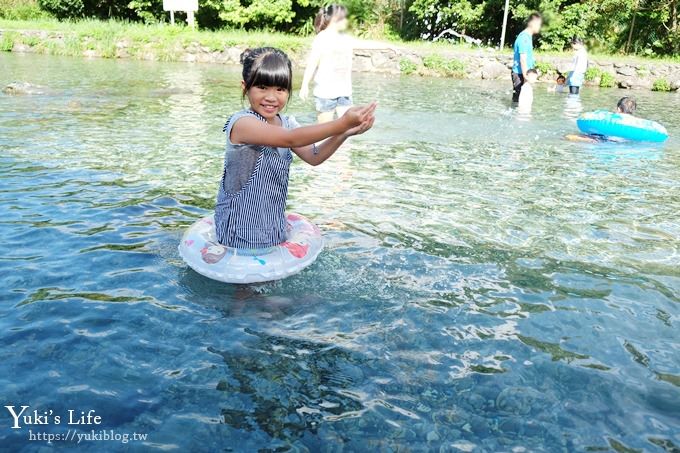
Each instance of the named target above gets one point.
<point>486,285</point>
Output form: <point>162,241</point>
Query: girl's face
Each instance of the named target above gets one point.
<point>267,101</point>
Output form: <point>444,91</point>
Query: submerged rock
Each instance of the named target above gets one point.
<point>19,88</point>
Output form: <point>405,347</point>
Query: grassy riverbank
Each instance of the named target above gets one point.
<point>163,42</point>
<point>168,41</point>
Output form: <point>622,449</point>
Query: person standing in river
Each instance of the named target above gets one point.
<point>523,59</point>
<point>330,63</point>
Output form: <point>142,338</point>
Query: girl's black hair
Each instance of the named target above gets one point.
<point>576,40</point>
<point>627,105</point>
<point>268,67</point>
<point>326,14</point>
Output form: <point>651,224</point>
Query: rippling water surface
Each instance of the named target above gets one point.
<point>486,285</point>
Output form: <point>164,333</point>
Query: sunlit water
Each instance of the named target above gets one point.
<point>486,285</point>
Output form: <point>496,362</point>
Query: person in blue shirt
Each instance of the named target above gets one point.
<point>523,59</point>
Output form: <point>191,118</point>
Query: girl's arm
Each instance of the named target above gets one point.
<point>312,63</point>
<point>253,131</point>
<point>331,145</point>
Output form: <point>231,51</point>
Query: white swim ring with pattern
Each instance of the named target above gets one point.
<point>201,251</point>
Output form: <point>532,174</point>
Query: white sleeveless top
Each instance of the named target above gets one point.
<point>333,77</point>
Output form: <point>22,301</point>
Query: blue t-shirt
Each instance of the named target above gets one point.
<point>524,44</point>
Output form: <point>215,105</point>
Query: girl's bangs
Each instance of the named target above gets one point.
<point>273,72</point>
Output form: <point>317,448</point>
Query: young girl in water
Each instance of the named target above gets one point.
<point>331,58</point>
<point>260,141</point>
<point>579,66</point>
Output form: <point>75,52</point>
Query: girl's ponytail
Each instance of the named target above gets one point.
<point>321,20</point>
<point>326,14</point>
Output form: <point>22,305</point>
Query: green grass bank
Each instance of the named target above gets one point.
<point>163,42</point>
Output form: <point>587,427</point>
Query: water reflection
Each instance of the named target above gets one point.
<point>573,106</point>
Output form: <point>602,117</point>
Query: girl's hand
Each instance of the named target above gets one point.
<point>360,129</point>
<point>304,92</point>
<point>356,116</point>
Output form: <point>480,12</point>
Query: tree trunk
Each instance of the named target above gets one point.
<point>401,16</point>
<point>632,27</point>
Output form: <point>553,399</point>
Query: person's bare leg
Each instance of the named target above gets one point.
<point>325,117</point>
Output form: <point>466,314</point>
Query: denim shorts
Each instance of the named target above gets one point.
<point>329,105</point>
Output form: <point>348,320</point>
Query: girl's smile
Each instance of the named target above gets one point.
<point>268,101</point>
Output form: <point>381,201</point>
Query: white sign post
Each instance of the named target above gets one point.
<point>190,6</point>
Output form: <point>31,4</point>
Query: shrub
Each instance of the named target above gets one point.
<point>443,66</point>
<point>607,80</point>
<point>543,67</point>
<point>7,41</point>
<point>593,73</point>
<point>406,66</point>
<point>661,85</point>
<point>21,10</point>
<point>642,71</point>
<point>63,9</point>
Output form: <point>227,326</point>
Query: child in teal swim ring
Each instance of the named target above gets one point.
<point>625,106</point>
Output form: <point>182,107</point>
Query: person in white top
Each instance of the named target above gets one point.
<point>579,66</point>
<point>331,59</point>
<point>526,96</point>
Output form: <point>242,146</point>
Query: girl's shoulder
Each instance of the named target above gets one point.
<point>240,114</point>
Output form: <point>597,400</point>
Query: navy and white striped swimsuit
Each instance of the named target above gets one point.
<point>251,214</point>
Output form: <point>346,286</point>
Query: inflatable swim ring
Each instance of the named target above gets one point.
<point>628,127</point>
<point>201,251</point>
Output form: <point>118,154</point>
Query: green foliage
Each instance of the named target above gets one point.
<point>444,66</point>
<point>603,24</point>
<point>406,66</point>
<point>661,85</point>
<point>63,9</point>
<point>7,40</point>
<point>265,13</point>
<point>147,10</point>
<point>642,71</point>
<point>434,16</point>
<point>544,67</point>
<point>593,73</point>
<point>21,10</point>
<point>607,80</point>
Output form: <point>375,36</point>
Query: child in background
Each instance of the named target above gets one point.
<point>260,141</point>
<point>330,63</point>
<point>331,58</point>
<point>526,96</point>
<point>579,66</point>
<point>560,84</point>
<point>626,106</point>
